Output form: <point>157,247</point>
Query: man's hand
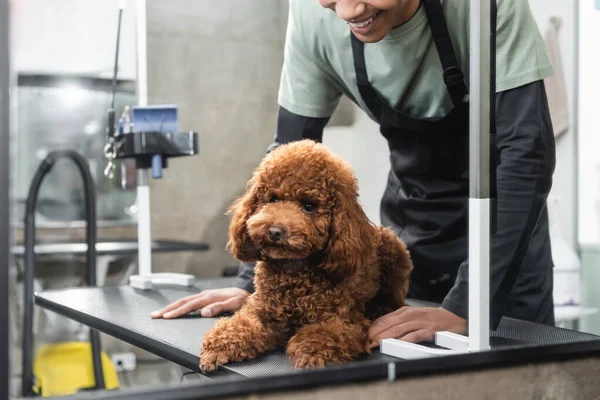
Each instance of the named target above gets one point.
<point>415,325</point>
<point>210,303</point>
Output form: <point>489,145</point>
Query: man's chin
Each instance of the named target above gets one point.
<point>374,35</point>
<point>371,38</point>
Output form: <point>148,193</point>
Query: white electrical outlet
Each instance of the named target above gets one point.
<point>123,361</point>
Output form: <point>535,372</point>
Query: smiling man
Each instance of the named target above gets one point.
<point>371,21</point>
<point>406,64</point>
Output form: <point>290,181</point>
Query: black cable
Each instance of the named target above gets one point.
<point>27,379</point>
<point>30,260</point>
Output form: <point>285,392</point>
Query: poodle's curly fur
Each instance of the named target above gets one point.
<point>324,272</point>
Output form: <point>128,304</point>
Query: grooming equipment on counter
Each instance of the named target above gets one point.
<point>148,134</point>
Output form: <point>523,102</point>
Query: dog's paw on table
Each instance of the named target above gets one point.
<point>316,358</point>
<point>305,361</point>
<point>214,353</point>
<point>212,360</point>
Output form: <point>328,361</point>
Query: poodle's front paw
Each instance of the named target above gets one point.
<point>242,337</point>
<point>310,357</point>
<point>314,360</point>
<point>211,359</point>
<point>228,343</point>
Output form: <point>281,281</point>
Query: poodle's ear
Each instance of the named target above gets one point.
<point>240,244</point>
<point>352,237</point>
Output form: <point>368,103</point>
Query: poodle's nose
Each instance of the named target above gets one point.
<point>276,233</point>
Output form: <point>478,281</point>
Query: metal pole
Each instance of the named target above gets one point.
<point>480,99</point>
<point>575,130</point>
<point>5,235</point>
<point>479,193</point>
<point>142,53</point>
<point>143,184</point>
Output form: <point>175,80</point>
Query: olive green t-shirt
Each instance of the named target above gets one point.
<point>404,67</point>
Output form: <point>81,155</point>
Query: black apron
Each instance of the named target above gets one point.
<point>427,193</point>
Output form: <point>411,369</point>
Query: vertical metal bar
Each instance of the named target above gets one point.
<point>142,53</point>
<point>143,188</point>
<point>479,202</point>
<point>479,95</point>
<point>144,223</point>
<point>575,132</point>
<point>5,80</point>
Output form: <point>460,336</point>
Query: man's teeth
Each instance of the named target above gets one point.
<point>363,23</point>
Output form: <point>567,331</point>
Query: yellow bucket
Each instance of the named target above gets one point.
<point>63,369</point>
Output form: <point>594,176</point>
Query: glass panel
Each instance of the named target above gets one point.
<point>68,113</point>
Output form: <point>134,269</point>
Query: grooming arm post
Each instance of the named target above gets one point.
<point>144,224</point>
<point>145,278</point>
<point>479,175</point>
<point>479,203</point>
<point>143,188</point>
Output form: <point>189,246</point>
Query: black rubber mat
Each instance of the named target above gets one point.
<point>512,332</point>
<point>124,312</point>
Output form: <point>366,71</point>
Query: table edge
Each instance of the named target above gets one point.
<point>151,345</point>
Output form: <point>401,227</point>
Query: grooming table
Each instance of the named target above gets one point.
<point>124,312</point>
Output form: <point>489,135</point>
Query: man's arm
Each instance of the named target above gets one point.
<point>525,165</point>
<point>290,128</point>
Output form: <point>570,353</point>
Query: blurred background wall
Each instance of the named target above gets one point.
<point>221,66</point>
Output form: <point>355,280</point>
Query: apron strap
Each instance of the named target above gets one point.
<point>453,76</point>
<point>367,92</point>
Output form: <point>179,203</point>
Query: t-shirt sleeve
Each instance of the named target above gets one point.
<point>521,55</point>
<point>305,89</point>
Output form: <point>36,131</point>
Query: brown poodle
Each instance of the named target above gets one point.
<point>324,272</point>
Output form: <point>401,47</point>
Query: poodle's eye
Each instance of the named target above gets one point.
<point>309,207</point>
<point>273,199</point>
